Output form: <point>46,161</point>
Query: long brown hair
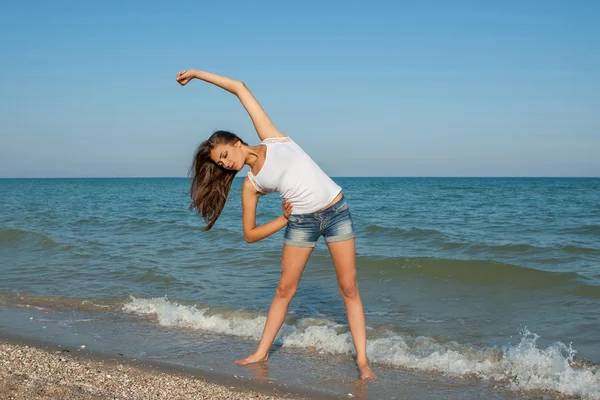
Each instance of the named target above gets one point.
<point>210,183</point>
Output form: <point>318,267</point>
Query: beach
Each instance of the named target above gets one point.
<point>164,170</point>
<point>472,288</point>
<point>28,372</point>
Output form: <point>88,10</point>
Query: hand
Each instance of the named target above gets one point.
<point>183,77</point>
<point>287,208</point>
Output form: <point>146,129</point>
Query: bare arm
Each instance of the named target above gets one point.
<point>263,125</point>
<point>252,233</point>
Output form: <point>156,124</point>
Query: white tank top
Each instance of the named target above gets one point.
<point>291,172</point>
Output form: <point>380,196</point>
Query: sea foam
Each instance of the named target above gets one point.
<point>520,367</point>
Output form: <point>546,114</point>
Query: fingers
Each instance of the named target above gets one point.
<point>287,207</point>
<point>180,75</point>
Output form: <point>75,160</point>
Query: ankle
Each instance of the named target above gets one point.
<point>362,363</point>
<point>261,354</point>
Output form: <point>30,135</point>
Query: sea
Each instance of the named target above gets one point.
<point>473,287</point>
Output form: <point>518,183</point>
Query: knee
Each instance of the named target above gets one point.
<point>349,290</point>
<point>285,291</point>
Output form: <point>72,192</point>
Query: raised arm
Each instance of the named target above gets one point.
<point>252,233</point>
<point>263,125</point>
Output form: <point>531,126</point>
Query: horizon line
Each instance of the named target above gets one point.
<point>339,176</point>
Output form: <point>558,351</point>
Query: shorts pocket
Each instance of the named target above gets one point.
<point>341,207</point>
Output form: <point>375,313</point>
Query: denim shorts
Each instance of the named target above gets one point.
<point>334,223</point>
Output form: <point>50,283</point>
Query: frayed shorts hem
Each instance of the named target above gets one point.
<point>330,239</point>
<point>299,244</point>
<point>339,238</point>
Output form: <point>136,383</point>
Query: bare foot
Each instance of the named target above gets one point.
<point>366,374</point>
<point>252,358</point>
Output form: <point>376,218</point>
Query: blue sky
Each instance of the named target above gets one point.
<point>403,88</point>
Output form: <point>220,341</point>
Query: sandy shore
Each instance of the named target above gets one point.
<point>28,372</point>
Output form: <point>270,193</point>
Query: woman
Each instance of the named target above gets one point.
<point>279,164</point>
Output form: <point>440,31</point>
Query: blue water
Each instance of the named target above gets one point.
<point>453,272</point>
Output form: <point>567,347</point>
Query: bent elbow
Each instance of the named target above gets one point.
<point>240,87</point>
<point>249,238</point>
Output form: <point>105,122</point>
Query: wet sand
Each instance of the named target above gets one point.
<point>44,372</point>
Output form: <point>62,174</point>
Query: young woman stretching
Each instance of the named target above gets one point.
<point>278,164</point>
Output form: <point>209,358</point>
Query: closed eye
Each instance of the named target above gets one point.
<point>220,163</point>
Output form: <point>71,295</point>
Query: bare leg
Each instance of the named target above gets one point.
<point>293,262</point>
<point>344,259</point>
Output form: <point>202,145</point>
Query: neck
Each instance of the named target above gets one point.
<point>251,155</point>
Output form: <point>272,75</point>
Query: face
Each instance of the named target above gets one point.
<point>229,156</point>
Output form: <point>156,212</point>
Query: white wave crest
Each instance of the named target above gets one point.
<point>173,314</point>
<point>520,367</point>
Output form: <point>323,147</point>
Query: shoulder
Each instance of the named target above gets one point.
<point>249,188</point>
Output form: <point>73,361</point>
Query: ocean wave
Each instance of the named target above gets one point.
<point>88,220</point>
<point>155,275</point>
<point>521,367</point>
<point>581,250</point>
<point>506,248</point>
<point>479,272</point>
<point>137,221</point>
<point>584,230</point>
<point>400,232</point>
<point>170,313</point>
<point>12,236</point>
<point>470,246</point>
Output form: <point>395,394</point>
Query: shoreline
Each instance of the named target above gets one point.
<point>40,370</point>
